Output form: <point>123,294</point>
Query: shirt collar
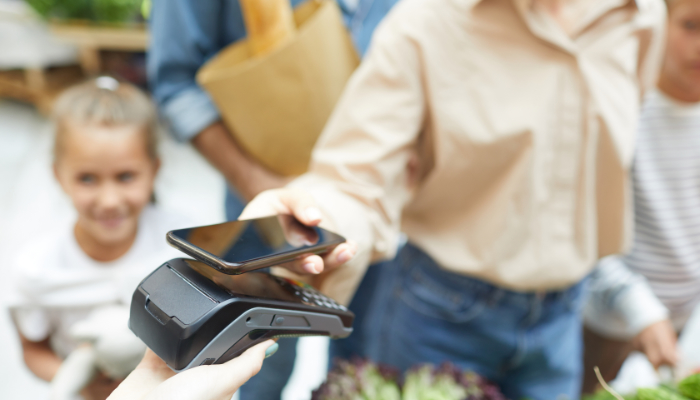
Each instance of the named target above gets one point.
<point>543,27</point>
<point>641,4</point>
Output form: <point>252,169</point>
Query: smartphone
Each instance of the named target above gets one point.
<point>234,247</point>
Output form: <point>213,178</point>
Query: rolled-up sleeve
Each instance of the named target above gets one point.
<point>184,35</point>
<point>359,169</point>
<point>621,303</point>
<point>188,112</point>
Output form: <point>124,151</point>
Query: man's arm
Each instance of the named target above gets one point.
<point>220,148</point>
<point>185,34</point>
<point>359,173</point>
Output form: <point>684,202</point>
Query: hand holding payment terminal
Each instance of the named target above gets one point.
<point>191,313</point>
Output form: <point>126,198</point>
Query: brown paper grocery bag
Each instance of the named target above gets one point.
<point>276,105</point>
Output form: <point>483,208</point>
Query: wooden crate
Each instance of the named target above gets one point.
<point>40,86</point>
<point>91,39</point>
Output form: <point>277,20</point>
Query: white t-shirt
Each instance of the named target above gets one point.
<point>56,284</point>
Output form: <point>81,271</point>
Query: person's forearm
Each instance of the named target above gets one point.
<point>217,145</point>
<point>40,359</point>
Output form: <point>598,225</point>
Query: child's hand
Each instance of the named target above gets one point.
<point>100,388</point>
<point>658,343</point>
<point>153,380</point>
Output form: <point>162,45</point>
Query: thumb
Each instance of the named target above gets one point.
<point>213,382</point>
<point>284,201</point>
<point>302,206</point>
<point>246,365</point>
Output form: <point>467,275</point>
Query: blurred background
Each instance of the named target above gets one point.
<point>45,46</point>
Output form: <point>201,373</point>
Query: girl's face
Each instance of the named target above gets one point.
<point>107,173</point>
<point>682,62</point>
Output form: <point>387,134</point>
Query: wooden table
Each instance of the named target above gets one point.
<point>90,39</point>
<point>40,86</point>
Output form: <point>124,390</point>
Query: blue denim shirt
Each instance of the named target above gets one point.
<point>187,33</point>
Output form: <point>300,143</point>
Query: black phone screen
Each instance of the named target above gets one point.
<point>254,284</point>
<point>241,241</point>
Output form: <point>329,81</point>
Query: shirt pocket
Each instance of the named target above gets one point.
<point>429,297</point>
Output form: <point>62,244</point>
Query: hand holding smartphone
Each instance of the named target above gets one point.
<point>227,246</point>
<point>207,311</point>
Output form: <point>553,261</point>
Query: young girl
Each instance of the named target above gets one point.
<point>105,160</point>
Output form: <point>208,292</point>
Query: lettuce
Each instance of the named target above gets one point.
<point>364,380</point>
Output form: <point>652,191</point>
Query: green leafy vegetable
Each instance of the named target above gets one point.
<point>359,380</point>
<point>660,393</point>
<point>113,11</point>
<point>364,380</point>
<point>603,394</point>
<point>690,387</point>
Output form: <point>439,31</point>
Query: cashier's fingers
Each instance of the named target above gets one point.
<point>152,362</point>
<point>213,382</point>
<point>284,201</point>
<point>151,372</point>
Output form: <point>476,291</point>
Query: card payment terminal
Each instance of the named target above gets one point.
<point>190,314</point>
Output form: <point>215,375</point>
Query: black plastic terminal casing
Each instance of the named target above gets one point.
<point>176,311</point>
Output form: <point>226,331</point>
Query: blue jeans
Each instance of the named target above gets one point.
<point>276,370</point>
<point>357,343</point>
<point>528,344</point>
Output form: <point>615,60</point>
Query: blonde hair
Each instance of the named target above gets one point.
<point>105,101</point>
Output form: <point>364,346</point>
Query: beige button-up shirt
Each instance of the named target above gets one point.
<point>497,142</point>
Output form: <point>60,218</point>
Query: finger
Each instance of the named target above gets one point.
<point>654,356</point>
<point>296,233</point>
<point>156,365</point>
<point>213,382</point>
<point>669,355</point>
<point>309,264</point>
<point>302,206</point>
<point>244,367</point>
<point>669,359</point>
<point>251,359</point>
<point>265,204</point>
<point>341,254</point>
<point>151,360</point>
<point>312,264</point>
